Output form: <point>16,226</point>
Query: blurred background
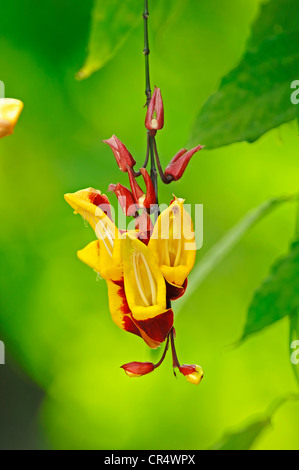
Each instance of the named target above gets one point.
<point>62,386</point>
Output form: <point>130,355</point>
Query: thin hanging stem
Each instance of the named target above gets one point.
<point>175,360</point>
<point>164,178</point>
<point>138,173</point>
<point>164,354</point>
<point>146,52</point>
<point>154,174</point>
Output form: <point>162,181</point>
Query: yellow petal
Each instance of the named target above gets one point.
<point>144,284</point>
<point>10,110</point>
<point>97,257</point>
<point>173,243</point>
<point>103,226</point>
<point>196,377</point>
<point>121,313</point>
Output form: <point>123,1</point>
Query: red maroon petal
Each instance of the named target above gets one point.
<point>187,369</point>
<point>139,368</point>
<point>175,292</point>
<point>157,328</point>
<point>125,309</point>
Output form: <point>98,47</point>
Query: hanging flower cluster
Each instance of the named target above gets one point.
<point>145,268</point>
<point>10,110</point>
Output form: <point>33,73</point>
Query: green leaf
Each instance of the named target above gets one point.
<point>278,296</point>
<point>294,342</point>
<point>245,438</point>
<point>111,23</point>
<point>255,97</point>
<point>221,249</point>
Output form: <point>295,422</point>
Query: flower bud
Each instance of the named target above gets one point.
<point>193,373</point>
<point>125,199</point>
<point>144,200</point>
<point>155,112</point>
<point>121,153</point>
<point>179,162</point>
<point>137,369</point>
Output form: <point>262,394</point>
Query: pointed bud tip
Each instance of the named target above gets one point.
<point>193,373</point>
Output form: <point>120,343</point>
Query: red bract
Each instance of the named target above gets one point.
<point>179,162</point>
<point>137,369</point>
<point>144,226</point>
<point>121,153</point>
<point>150,196</point>
<point>125,199</point>
<point>131,201</point>
<point>155,112</point>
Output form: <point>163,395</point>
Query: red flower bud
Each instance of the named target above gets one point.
<point>144,226</point>
<point>179,162</point>
<point>125,199</point>
<point>136,190</point>
<point>101,201</point>
<point>193,373</point>
<point>137,369</point>
<point>143,200</point>
<point>121,153</point>
<point>150,198</point>
<point>155,112</point>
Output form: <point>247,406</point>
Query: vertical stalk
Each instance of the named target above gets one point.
<point>175,361</point>
<point>146,52</point>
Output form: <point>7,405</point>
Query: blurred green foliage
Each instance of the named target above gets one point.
<point>53,313</point>
<point>246,437</point>
<point>278,296</point>
<point>255,96</point>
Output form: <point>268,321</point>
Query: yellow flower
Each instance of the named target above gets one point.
<point>141,279</point>
<point>10,110</point>
<point>173,242</point>
<point>136,287</point>
<point>193,373</point>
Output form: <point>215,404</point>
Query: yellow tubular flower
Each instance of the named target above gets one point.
<point>97,257</point>
<point>91,204</point>
<point>10,110</point>
<point>145,291</point>
<point>173,243</point>
<point>144,283</point>
<point>122,315</point>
